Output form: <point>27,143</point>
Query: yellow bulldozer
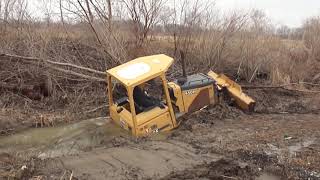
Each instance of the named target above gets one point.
<point>133,107</point>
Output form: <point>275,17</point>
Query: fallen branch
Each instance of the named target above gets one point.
<point>35,61</point>
<point>316,77</point>
<point>228,177</point>
<point>302,91</point>
<point>279,86</point>
<point>78,74</point>
<point>6,132</point>
<point>53,62</point>
<point>12,87</point>
<point>71,176</point>
<point>64,173</point>
<point>96,109</point>
<point>283,86</point>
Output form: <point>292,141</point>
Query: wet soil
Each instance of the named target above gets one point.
<point>281,140</point>
<point>18,113</point>
<point>221,169</point>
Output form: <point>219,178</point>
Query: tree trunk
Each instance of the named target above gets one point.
<point>110,14</point>
<point>89,11</point>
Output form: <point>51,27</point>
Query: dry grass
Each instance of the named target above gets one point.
<point>241,45</point>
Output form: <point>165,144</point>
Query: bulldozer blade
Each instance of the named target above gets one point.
<point>234,91</point>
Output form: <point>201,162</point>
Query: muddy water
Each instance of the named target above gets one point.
<point>266,176</point>
<point>297,147</point>
<point>87,147</point>
<point>62,140</point>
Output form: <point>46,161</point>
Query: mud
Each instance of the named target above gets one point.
<point>18,113</point>
<point>149,160</point>
<point>281,101</point>
<point>222,169</point>
<point>281,140</point>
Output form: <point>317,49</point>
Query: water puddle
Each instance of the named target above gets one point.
<point>267,176</point>
<point>62,140</point>
<point>292,149</point>
<point>299,146</point>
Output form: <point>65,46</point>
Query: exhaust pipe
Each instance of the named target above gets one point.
<point>182,79</point>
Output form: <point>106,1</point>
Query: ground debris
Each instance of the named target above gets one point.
<point>222,169</point>
<point>210,114</point>
<point>261,159</point>
<point>15,168</point>
<point>280,101</point>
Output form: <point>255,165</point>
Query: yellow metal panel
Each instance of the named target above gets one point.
<point>144,117</point>
<point>141,69</point>
<point>123,119</point>
<point>168,100</point>
<point>158,124</point>
<point>189,96</point>
<point>133,110</point>
<point>243,101</point>
<point>178,95</point>
<point>213,95</point>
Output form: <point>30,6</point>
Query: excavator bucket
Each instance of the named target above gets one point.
<point>234,90</point>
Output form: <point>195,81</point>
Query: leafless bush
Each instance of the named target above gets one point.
<point>312,36</point>
<point>311,39</point>
<point>244,45</point>
<point>100,26</point>
<point>144,15</point>
<point>99,34</point>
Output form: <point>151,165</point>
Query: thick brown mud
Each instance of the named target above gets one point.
<point>281,140</point>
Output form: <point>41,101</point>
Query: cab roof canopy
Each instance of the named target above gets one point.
<point>141,69</point>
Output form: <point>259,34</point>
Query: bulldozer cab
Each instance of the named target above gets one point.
<point>138,95</point>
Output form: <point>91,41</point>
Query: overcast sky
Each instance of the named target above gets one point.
<point>281,12</point>
<point>288,12</point>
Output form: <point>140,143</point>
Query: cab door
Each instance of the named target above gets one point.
<point>157,119</point>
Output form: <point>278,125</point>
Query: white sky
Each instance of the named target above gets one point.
<point>281,12</point>
<point>288,12</point>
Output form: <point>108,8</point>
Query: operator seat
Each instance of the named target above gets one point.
<point>142,101</point>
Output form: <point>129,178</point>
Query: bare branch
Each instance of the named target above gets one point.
<point>54,63</point>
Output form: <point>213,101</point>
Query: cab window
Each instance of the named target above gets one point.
<point>149,95</point>
<point>120,95</point>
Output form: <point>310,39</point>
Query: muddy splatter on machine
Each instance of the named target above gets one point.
<point>138,112</point>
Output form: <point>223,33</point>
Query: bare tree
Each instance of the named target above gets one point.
<point>104,12</point>
<point>90,15</point>
<point>186,20</point>
<point>1,2</point>
<point>47,8</point>
<point>311,36</point>
<point>107,39</point>
<point>197,28</point>
<point>144,14</point>
<point>110,13</point>
<point>6,9</point>
<point>284,32</point>
<point>12,11</point>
